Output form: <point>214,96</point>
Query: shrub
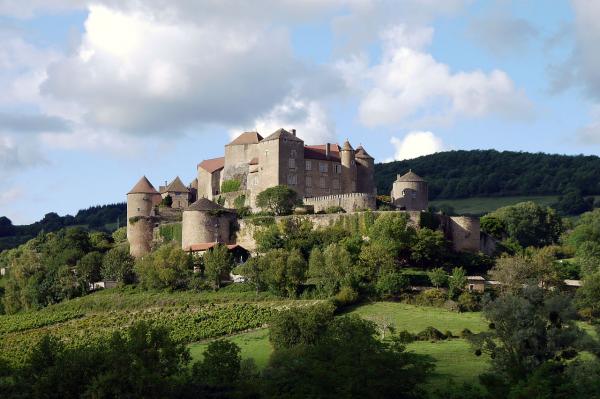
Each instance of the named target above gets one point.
<point>231,185</point>
<point>468,302</point>
<point>299,326</point>
<point>346,296</point>
<point>406,337</point>
<point>335,209</point>
<point>239,201</point>
<point>465,333</point>
<point>167,201</point>
<point>391,284</point>
<point>432,297</point>
<point>431,334</point>
<point>120,235</point>
<point>449,334</point>
<point>452,306</point>
<point>167,267</point>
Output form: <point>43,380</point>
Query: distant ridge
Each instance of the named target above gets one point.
<point>491,173</point>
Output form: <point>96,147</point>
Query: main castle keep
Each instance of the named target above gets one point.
<point>324,176</point>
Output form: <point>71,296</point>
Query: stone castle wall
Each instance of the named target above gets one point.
<point>140,231</point>
<point>351,202</point>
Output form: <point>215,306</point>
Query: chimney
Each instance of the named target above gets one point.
<point>294,132</point>
<point>327,150</point>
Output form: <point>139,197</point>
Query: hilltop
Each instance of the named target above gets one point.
<point>491,173</point>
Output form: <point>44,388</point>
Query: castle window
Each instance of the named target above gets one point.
<point>336,184</point>
<point>292,163</point>
<point>323,182</point>
<point>308,165</point>
<point>308,181</point>
<point>323,167</point>
<point>292,179</point>
<point>337,168</point>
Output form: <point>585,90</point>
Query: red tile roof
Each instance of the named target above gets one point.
<point>143,186</point>
<point>212,165</point>
<point>319,151</point>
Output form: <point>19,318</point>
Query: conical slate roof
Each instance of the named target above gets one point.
<point>362,153</point>
<point>282,134</point>
<point>410,176</point>
<point>177,186</point>
<point>143,187</point>
<point>347,146</point>
<point>204,205</point>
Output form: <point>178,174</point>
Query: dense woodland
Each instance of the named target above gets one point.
<point>488,173</point>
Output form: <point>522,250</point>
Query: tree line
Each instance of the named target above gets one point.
<point>489,173</point>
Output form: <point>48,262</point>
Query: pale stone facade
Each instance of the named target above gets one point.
<point>410,192</point>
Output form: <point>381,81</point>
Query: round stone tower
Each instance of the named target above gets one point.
<point>206,221</point>
<point>410,192</point>
<point>365,171</point>
<point>348,168</point>
<point>140,216</point>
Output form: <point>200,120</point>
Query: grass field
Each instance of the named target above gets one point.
<point>483,205</point>
<point>454,358</point>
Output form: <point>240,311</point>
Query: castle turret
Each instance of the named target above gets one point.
<point>206,221</point>
<point>410,192</point>
<point>365,171</point>
<point>348,168</point>
<point>140,211</point>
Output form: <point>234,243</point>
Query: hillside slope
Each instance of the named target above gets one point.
<point>490,173</point>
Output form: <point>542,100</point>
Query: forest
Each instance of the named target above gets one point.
<point>490,173</point>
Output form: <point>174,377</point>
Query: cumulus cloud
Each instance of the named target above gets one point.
<point>415,144</point>
<point>410,87</point>
<point>24,123</point>
<point>309,118</point>
<point>16,156</point>
<point>502,33</point>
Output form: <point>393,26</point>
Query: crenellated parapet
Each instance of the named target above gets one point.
<point>350,202</point>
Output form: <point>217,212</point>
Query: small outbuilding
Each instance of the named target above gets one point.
<point>475,284</point>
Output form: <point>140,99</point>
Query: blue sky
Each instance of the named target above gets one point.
<point>96,94</point>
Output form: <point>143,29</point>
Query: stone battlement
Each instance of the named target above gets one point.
<point>350,202</point>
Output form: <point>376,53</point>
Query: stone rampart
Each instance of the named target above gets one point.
<point>350,202</point>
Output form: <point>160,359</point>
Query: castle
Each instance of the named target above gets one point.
<point>323,176</point>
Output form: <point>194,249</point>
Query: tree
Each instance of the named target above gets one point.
<point>375,260</point>
<point>101,241</point>
<point>438,277</point>
<point>218,262</point>
<point>167,201</point>
<point>391,284</point>
<point>167,267</point>
<point>457,282</point>
<point>573,203</point>
<point>6,227</point>
<point>117,265</point>
<point>587,297</point>
<point>221,365</point>
<point>588,257</point>
<point>531,267</point>
<point>120,235</point>
<point>586,229</point>
<point>268,238</point>
<point>392,230</point>
<point>286,271</point>
<point>299,326</point>
<point>88,267</point>
<point>529,329</point>
<point>279,200</point>
<point>527,222</point>
<point>253,270</point>
<point>429,247</point>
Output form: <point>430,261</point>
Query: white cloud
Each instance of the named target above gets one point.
<point>416,144</point>
<point>309,118</point>
<point>410,87</point>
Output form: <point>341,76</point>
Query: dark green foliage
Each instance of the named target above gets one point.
<point>527,222</point>
<point>6,227</point>
<point>117,265</point>
<point>345,361</point>
<point>587,297</point>
<point>456,282</point>
<point>438,277</point>
<point>487,173</point>
<point>335,209</point>
<point>229,186</point>
<point>167,267</point>
<point>88,267</point>
<point>279,199</point>
<point>167,201</point>
<point>299,326</point>
<point>221,365</point>
<point>431,334</point>
<point>391,284</point>
<point>171,232</point>
<point>218,263</point>
<point>573,203</point>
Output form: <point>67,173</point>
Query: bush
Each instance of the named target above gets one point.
<point>451,305</point>
<point>167,267</point>
<point>431,334</point>
<point>468,302</point>
<point>335,209</point>
<point>391,284</point>
<point>117,265</point>
<point>432,297</point>
<point>240,201</point>
<point>167,201</point>
<point>229,186</point>
<point>346,296</point>
<point>406,337</point>
<point>465,333</point>
<point>299,326</point>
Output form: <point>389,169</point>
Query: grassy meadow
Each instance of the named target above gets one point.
<point>483,205</point>
<point>455,359</point>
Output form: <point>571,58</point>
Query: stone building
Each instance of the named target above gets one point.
<point>206,221</point>
<point>179,193</point>
<point>410,192</point>
<point>282,158</point>
<point>141,202</point>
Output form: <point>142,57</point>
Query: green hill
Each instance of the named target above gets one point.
<point>490,173</point>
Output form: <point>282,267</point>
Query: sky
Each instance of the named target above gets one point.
<point>95,94</point>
